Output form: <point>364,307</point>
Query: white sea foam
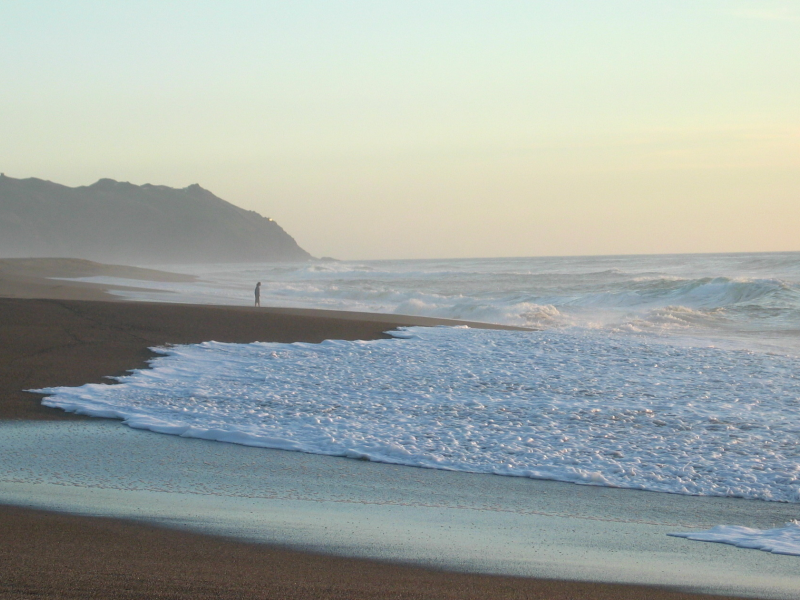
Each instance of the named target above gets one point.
<point>582,407</point>
<point>781,540</point>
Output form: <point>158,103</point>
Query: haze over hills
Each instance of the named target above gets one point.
<point>112,221</point>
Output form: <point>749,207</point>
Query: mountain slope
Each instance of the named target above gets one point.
<point>112,221</point>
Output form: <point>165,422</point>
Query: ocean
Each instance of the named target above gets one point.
<point>675,374</point>
<point>747,301</point>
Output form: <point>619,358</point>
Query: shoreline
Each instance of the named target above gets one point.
<point>442,520</point>
<point>65,341</point>
<point>51,554</point>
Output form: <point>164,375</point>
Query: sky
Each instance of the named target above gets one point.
<point>427,129</point>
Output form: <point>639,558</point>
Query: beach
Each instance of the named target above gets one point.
<point>68,334</point>
<point>52,555</point>
<point>370,300</point>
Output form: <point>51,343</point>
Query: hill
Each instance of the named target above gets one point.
<point>113,221</point>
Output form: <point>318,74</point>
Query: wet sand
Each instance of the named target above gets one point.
<point>51,555</point>
<point>39,278</point>
<point>57,333</point>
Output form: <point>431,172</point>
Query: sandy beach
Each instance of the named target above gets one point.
<point>51,555</point>
<point>54,333</point>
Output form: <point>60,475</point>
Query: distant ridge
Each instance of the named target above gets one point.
<point>112,221</point>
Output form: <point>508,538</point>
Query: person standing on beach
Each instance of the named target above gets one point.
<point>258,294</point>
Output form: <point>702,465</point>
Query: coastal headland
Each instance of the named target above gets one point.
<point>56,333</point>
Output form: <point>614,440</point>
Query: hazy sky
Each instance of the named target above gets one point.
<point>377,129</point>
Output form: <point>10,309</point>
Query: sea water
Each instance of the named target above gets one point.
<point>602,410</point>
<point>663,373</point>
<point>749,301</point>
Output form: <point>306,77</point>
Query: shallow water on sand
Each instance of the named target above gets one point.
<point>454,520</point>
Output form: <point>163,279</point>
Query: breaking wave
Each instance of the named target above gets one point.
<point>742,299</point>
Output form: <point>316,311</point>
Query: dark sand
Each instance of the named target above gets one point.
<point>71,338</point>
